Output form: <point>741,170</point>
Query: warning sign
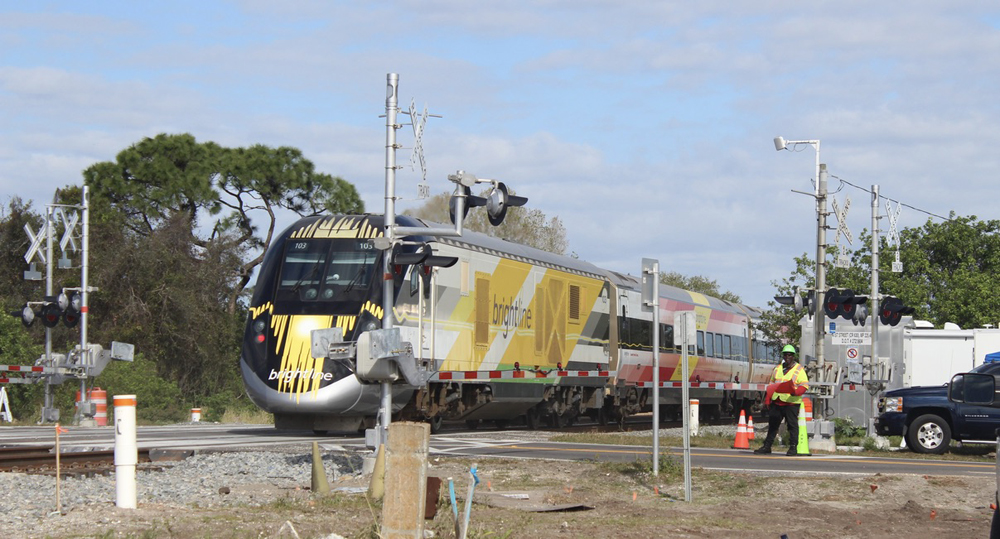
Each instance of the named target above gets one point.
<point>852,338</point>
<point>852,353</point>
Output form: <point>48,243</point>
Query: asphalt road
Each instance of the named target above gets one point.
<point>512,444</point>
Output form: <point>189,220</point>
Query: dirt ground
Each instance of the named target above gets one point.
<point>541,499</point>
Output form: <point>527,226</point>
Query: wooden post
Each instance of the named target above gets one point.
<point>405,501</point>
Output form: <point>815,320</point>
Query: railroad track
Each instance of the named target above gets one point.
<point>41,459</point>
<point>636,422</point>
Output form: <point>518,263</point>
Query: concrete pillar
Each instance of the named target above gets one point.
<point>405,501</point>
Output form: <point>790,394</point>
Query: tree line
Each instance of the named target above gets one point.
<point>951,271</point>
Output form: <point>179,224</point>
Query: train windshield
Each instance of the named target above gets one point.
<point>327,270</point>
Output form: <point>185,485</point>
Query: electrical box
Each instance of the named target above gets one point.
<point>376,351</point>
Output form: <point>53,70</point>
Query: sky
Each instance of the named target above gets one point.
<point>646,127</point>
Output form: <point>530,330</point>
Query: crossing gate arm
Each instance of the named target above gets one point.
<point>444,376</point>
<point>727,386</point>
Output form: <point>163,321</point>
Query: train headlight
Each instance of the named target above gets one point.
<point>258,328</point>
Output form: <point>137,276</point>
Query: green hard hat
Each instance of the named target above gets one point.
<point>788,348</point>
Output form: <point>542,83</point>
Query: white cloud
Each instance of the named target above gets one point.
<point>646,126</point>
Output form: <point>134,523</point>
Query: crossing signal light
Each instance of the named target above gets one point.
<point>844,303</point>
<point>798,301</point>
<point>50,314</point>
<point>26,314</point>
<point>497,201</point>
<point>71,312</point>
<point>471,201</point>
<point>860,315</point>
<point>892,310</point>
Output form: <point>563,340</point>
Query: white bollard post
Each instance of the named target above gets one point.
<point>126,451</point>
<point>195,415</point>
<point>693,420</point>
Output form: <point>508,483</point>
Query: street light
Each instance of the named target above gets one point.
<point>781,144</point>
<point>820,194</point>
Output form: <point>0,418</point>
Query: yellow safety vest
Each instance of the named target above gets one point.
<point>797,375</point>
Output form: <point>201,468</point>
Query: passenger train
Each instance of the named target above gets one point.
<point>510,332</point>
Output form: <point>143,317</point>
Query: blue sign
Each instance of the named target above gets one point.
<point>833,327</point>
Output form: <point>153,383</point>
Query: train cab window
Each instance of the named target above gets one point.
<point>303,262</point>
<point>709,345</point>
<point>701,343</point>
<point>325,270</point>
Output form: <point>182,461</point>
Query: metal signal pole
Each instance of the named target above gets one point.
<point>820,332</point>
<point>391,109</point>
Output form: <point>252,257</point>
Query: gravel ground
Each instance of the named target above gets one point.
<point>27,502</point>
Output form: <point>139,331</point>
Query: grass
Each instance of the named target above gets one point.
<point>247,416</point>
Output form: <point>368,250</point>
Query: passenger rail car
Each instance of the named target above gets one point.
<point>510,331</point>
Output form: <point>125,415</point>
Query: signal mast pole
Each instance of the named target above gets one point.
<point>820,330</point>
<point>391,109</point>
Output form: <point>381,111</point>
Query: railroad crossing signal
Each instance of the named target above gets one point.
<point>69,222</point>
<point>842,259</point>
<point>36,242</point>
<point>845,303</point>
<point>893,234</point>
<point>798,302</point>
<point>419,122</point>
<point>892,311</point>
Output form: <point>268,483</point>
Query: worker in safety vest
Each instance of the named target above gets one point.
<point>784,398</point>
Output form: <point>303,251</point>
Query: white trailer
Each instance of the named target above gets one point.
<point>933,356</point>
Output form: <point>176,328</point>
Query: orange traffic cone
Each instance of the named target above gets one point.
<point>741,433</point>
<point>750,427</point>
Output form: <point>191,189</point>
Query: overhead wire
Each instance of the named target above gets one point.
<point>905,205</point>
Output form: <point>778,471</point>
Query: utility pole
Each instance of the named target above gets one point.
<point>873,298</point>
<point>820,329</point>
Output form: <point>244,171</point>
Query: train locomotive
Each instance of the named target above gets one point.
<point>510,333</point>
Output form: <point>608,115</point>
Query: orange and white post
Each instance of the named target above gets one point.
<point>126,451</point>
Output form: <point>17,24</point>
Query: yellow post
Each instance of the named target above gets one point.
<point>802,448</point>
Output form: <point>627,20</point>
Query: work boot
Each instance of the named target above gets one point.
<point>763,450</point>
<point>792,451</point>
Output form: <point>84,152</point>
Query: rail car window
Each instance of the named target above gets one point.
<point>719,350</point>
<point>739,348</point>
<point>727,347</point>
<point>642,332</point>
<point>709,344</point>
<point>666,338</point>
<point>701,343</point>
<point>636,334</point>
